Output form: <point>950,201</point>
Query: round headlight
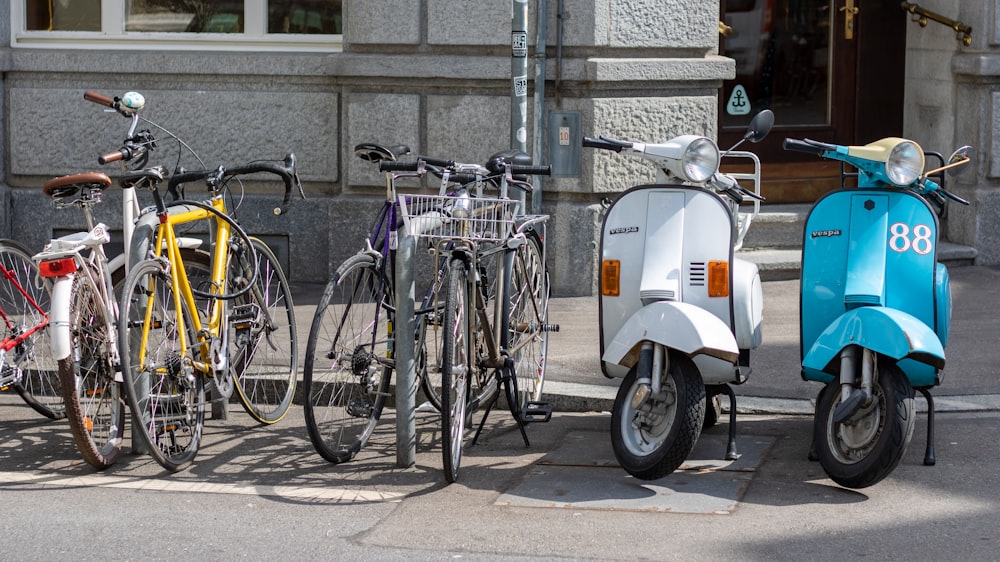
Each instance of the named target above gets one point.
<point>700,160</point>
<point>905,163</point>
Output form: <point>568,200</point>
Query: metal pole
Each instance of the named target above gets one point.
<point>406,388</point>
<point>519,76</point>
<point>541,29</point>
<point>519,85</point>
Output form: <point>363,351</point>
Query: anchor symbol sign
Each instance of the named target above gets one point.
<point>739,103</point>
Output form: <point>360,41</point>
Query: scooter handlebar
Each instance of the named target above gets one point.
<point>807,146</point>
<point>606,144</point>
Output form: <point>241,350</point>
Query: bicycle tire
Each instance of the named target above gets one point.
<point>483,385</point>
<point>37,383</point>
<point>167,405</point>
<point>95,407</point>
<point>263,342</point>
<point>526,335</point>
<point>348,362</point>
<point>455,368</point>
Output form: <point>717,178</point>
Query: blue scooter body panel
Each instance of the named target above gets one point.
<point>873,248</point>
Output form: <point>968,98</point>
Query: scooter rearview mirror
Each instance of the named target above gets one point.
<point>959,158</point>
<point>760,126</point>
<point>956,162</point>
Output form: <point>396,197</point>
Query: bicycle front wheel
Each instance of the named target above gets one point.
<point>95,407</point>
<point>28,366</point>
<point>349,359</point>
<point>527,300</point>
<point>456,366</point>
<point>482,384</point>
<point>263,343</point>
<point>166,396</point>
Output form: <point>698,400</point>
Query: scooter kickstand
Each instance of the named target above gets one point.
<point>731,454</point>
<point>929,459</point>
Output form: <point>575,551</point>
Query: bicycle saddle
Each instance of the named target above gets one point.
<point>67,186</point>
<point>376,152</point>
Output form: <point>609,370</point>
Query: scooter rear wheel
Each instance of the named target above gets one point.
<point>653,440</point>
<point>868,446</point>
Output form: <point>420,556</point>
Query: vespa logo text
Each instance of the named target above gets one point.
<point>825,233</point>
<point>624,230</point>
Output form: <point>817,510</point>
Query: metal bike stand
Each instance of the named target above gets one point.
<point>406,390</point>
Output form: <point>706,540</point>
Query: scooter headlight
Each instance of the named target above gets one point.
<point>905,163</point>
<point>700,159</point>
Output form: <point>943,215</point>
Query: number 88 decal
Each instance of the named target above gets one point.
<point>900,239</point>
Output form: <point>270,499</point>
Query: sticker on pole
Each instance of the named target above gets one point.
<point>739,103</point>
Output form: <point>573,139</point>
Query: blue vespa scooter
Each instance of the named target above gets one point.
<point>875,305</point>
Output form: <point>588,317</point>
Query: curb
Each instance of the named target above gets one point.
<point>575,397</point>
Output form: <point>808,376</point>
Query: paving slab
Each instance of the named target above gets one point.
<point>582,473</point>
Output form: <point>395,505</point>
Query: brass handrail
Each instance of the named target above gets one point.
<point>920,15</point>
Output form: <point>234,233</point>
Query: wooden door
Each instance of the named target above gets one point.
<point>826,76</point>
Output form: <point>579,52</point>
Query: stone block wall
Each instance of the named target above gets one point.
<point>431,74</point>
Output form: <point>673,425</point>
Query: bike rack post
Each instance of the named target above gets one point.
<point>406,389</point>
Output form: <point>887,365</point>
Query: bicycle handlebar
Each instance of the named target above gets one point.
<point>432,163</point>
<point>99,99</point>
<point>285,170</point>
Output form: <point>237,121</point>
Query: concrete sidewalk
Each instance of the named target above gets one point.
<point>971,383</point>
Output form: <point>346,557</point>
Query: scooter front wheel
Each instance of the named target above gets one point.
<point>653,437</point>
<point>868,446</point>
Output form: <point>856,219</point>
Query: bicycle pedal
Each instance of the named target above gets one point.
<point>242,317</point>
<point>536,412</point>
<point>359,409</point>
<point>550,327</point>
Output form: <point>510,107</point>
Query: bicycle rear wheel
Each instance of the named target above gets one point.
<point>263,343</point>
<point>527,300</point>
<point>28,366</point>
<point>166,396</point>
<point>95,407</point>
<point>456,367</point>
<point>349,359</point>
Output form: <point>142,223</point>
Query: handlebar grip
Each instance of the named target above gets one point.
<point>390,166</point>
<point>440,163</point>
<point>809,147</point>
<point>99,99</point>
<point>531,170</point>
<point>463,178</point>
<point>605,144</point>
<point>111,157</point>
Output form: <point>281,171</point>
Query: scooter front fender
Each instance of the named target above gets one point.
<point>676,325</point>
<point>886,331</point>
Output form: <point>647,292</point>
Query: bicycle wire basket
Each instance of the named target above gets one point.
<point>458,217</point>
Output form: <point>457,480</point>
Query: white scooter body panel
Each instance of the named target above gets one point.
<point>689,329</point>
<point>748,304</point>
<point>664,237</point>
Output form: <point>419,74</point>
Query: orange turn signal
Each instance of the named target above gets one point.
<point>718,279</point>
<point>610,277</point>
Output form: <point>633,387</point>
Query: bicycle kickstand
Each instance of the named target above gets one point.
<point>505,378</point>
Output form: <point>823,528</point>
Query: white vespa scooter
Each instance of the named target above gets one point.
<point>679,313</point>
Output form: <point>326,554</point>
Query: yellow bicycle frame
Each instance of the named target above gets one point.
<point>166,240</point>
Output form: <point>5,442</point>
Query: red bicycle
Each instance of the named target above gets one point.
<point>26,363</point>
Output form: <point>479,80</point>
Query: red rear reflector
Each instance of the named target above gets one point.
<point>56,268</point>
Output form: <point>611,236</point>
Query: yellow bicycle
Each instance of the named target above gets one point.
<point>183,336</point>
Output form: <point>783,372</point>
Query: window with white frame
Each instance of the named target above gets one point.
<point>317,23</point>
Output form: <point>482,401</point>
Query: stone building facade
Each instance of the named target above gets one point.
<point>435,75</point>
